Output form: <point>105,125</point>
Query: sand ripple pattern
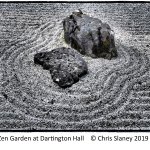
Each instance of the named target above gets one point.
<point>114,95</point>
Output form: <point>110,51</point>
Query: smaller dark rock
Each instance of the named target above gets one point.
<point>65,64</point>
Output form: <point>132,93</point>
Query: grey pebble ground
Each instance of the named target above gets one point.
<point>115,95</point>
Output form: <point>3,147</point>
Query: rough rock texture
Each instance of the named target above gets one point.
<point>89,35</point>
<point>65,64</point>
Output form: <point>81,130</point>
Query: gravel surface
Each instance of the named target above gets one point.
<point>114,95</point>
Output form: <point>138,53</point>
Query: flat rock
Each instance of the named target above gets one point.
<point>66,65</point>
<point>89,36</point>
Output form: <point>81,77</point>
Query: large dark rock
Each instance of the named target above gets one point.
<point>89,35</point>
<point>65,64</point>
